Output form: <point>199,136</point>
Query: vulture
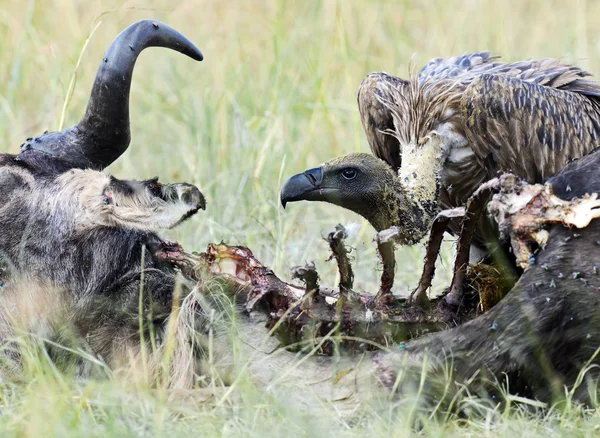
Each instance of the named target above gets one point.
<point>439,135</point>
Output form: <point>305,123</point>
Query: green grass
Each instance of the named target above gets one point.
<point>274,96</point>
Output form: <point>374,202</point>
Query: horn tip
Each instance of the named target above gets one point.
<point>188,48</point>
<point>197,55</point>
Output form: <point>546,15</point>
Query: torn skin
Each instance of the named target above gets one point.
<point>522,212</point>
<point>306,314</point>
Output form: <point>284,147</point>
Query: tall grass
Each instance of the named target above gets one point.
<point>275,95</point>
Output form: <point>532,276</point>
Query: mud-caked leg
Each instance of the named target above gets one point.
<point>340,254</point>
<point>436,235</point>
<point>475,206</point>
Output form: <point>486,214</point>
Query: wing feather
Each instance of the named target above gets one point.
<point>376,117</point>
<point>511,110</point>
<point>529,129</point>
<point>550,72</point>
<point>448,68</point>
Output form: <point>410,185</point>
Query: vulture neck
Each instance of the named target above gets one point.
<point>401,208</point>
<point>420,169</point>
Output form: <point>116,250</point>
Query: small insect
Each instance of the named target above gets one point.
<point>532,259</point>
<point>493,327</point>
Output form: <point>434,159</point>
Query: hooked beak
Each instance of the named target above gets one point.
<point>305,186</point>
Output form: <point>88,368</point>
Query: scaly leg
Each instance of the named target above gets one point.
<point>473,210</point>
<point>388,259</point>
<point>436,235</point>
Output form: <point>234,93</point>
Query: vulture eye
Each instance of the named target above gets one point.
<point>349,173</point>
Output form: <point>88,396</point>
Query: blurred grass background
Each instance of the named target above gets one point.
<point>276,94</point>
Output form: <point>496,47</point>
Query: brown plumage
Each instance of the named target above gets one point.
<point>527,117</point>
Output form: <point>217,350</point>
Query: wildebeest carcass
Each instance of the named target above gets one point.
<point>80,246</point>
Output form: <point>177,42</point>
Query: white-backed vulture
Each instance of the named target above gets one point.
<point>436,137</point>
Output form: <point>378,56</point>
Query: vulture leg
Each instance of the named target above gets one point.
<point>388,259</point>
<point>340,254</point>
<point>438,228</point>
<point>386,247</point>
<point>473,210</point>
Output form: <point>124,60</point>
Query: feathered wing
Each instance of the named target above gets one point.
<point>377,91</point>
<point>570,100</point>
<point>550,72</point>
<point>531,128</point>
<point>457,66</point>
<point>376,118</point>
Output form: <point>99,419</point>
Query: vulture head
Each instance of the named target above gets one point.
<point>363,184</point>
<point>398,184</point>
<point>102,135</point>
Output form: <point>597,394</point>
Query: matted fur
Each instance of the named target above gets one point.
<point>181,347</point>
<point>100,202</point>
<point>78,247</point>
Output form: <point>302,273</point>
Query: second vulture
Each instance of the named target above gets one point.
<point>438,136</point>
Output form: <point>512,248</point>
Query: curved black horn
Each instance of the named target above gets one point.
<point>102,135</point>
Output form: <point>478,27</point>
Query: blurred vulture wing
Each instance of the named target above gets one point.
<point>547,71</point>
<point>458,66</point>
<point>376,117</point>
<point>502,101</point>
<point>534,122</point>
